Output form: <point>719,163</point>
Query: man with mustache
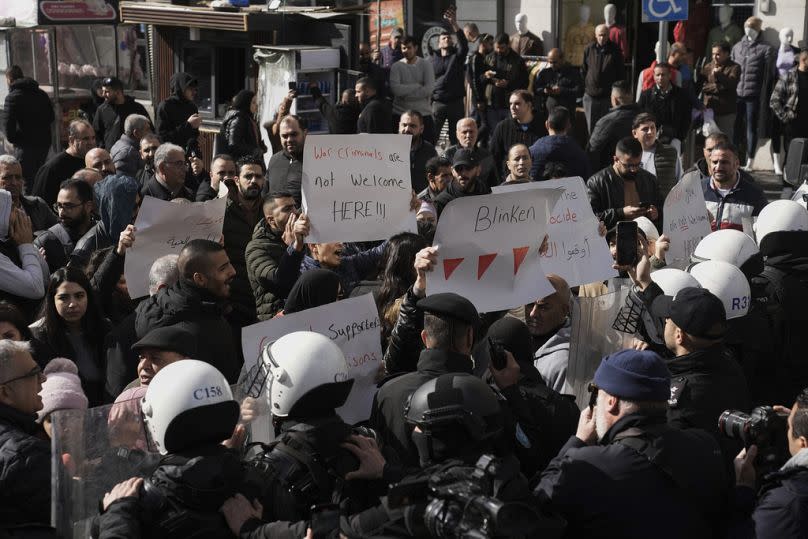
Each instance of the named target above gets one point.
<point>74,206</point>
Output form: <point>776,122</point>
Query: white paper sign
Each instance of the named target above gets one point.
<point>685,221</point>
<point>163,228</point>
<point>357,187</point>
<point>353,324</point>
<point>575,250</point>
<point>488,248</point>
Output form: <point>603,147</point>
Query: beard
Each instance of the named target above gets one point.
<point>251,193</point>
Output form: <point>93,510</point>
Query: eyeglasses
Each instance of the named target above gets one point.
<point>67,207</point>
<point>630,166</point>
<point>36,371</point>
<point>593,394</point>
<point>182,163</point>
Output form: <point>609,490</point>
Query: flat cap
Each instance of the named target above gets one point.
<point>450,305</point>
<point>169,338</point>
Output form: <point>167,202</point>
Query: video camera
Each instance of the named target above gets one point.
<point>459,501</point>
<point>764,428</point>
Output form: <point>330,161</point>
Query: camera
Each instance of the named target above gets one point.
<point>459,501</point>
<point>764,428</point>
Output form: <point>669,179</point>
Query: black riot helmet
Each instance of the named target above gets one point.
<point>457,414</point>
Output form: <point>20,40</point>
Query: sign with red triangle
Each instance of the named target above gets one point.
<point>449,265</point>
<point>519,254</point>
<point>483,263</point>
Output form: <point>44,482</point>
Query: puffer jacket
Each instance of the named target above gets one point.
<point>757,60</point>
<point>173,113</point>
<point>785,98</point>
<point>272,269</point>
<point>239,135</point>
<point>194,309</point>
<point>25,469</point>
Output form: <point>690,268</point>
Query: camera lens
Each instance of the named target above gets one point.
<point>734,424</point>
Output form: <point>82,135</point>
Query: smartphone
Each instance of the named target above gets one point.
<point>293,85</point>
<point>496,354</point>
<point>324,520</point>
<point>627,243</point>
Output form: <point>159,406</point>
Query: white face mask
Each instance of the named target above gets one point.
<point>751,33</point>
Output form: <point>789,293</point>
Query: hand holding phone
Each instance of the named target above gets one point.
<point>496,354</point>
<point>627,254</point>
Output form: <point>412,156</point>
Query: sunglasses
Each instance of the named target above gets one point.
<point>593,394</point>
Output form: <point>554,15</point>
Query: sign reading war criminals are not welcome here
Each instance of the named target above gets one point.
<point>357,187</point>
<point>488,248</point>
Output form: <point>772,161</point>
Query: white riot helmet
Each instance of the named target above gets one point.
<point>780,216</point>
<point>732,246</point>
<point>672,280</point>
<point>307,374</point>
<point>726,282</point>
<point>188,403</point>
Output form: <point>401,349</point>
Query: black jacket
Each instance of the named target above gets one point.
<point>704,384</point>
<point>561,149</point>
<point>405,342</point>
<point>510,67</point>
<point>449,71</point>
<point>602,67</point>
<point>376,117</point>
<point>121,360</point>
<point>237,231</point>
<point>607,133</point>
<point>173,113</point>
<point>272,269</point>
<point>607,197</point>
<point>42,218</point>
<point>50,176</point>
<point>29,115</point>
<point>154,188</point>
<point>453,191</point>
<point>239,135</point>
<point>387,417</point>
<point>569,81</point>
<point>199,312</point>
<point>25,469</point>
<point>592,486</point>
<point>418,158</point>
<point>284,173</point>
<point>488,169</point>
<point>672,111</point>
<point>109,120</point>
<point>509,132</point>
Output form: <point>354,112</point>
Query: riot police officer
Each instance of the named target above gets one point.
<point>188,411</point>
<point>307,379</point>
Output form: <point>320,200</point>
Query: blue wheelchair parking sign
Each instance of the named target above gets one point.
<point>664,10</point>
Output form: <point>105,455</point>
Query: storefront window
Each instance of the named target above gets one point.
<point>222,72</point>
<point>84,53</point>
<point>133,67</point>
<point>30,50</point>
<point>197,61</point>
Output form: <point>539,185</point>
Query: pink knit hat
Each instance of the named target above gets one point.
<point>62,390</point>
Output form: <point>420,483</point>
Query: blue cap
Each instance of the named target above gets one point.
<point>634,375</point>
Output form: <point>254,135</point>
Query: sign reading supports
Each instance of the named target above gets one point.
<point>685,220</point>
<point>575,250</point>
<point>488,248</point>
<point>353,324</point>
<point>357,187</point>
<point>163,228</point>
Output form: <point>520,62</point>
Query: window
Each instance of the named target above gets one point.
<point>133,60</point>
<point>222,71</point>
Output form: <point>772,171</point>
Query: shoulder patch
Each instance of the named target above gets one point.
<point>677,387</point>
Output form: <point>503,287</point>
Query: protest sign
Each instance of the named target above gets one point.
<point>357,187</point>
<point>575,250</point>
<point>353,324</point>
<point>164,228</point>
<point>488,248</point>
<point>685,220</point>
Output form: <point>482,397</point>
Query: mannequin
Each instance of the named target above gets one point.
<point>617,33</point>
<point>725,31</point>
<point>578,36</point>
<point>525,42</point>
<point>757,61</point>
<point>787,59</point>
<point>693,32</point>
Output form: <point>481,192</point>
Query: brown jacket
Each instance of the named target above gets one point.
<point>720,87</point>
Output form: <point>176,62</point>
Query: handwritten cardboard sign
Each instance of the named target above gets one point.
<point>353,324</point>
<point>685,220</point>
<point>357,187</point>
<point>488,248</point>
<point>575,250</point>
<point>164,228</point>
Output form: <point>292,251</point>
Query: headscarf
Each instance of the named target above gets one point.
<point>5,213</point>
<point>115,198</point>
<point>313,288</point>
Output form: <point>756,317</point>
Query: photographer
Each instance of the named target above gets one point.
<point>626,471</point>
<point>781,508</point>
